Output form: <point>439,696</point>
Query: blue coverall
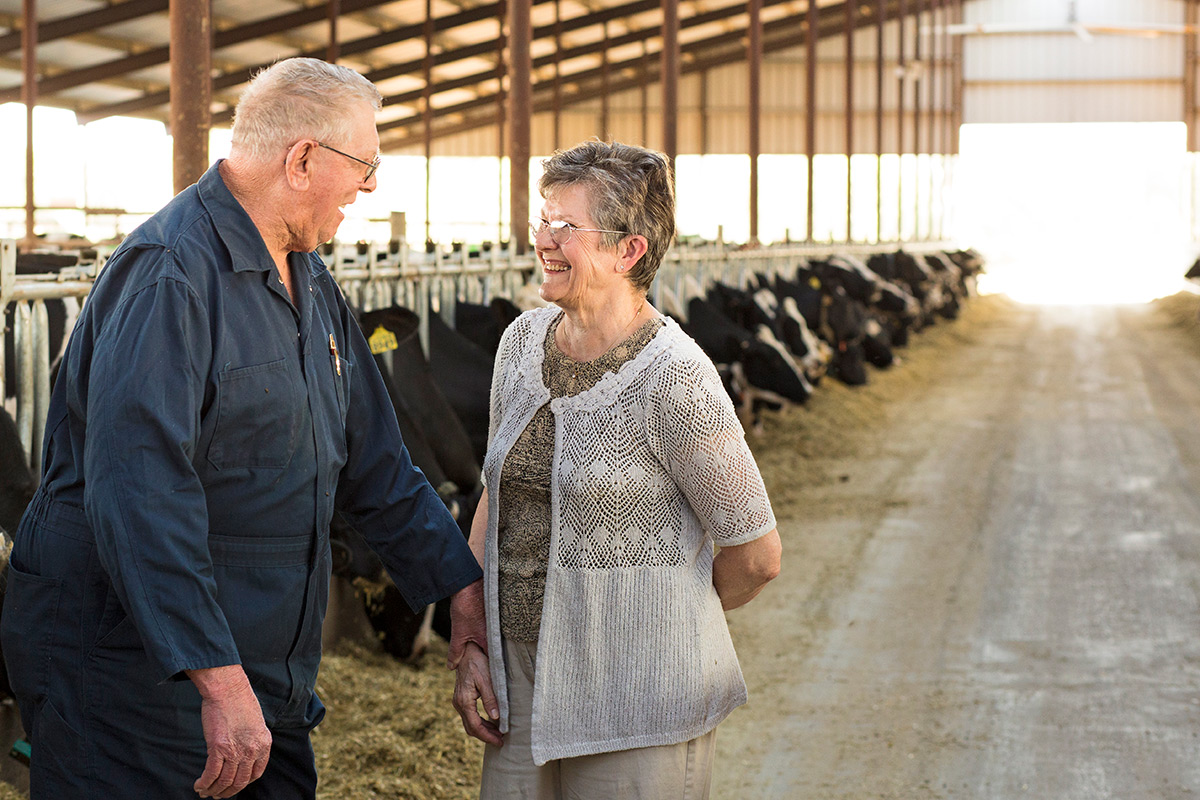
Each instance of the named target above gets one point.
<point>202,432</point>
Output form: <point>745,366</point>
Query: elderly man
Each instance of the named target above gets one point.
<point>216,405</point>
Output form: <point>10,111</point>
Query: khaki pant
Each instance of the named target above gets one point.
<point>671,772</point>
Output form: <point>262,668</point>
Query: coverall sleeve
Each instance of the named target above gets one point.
<point>143,498</point>
<point>388,500</point>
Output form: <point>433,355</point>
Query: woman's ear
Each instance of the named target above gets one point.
<point>631,250</point>
<point>297,165</point>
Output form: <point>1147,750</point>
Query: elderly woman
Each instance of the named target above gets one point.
<point>615,463</point>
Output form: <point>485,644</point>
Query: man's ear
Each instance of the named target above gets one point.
<point>297,165</point>
<point>632,248</point>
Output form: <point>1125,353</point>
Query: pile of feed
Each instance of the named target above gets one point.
<point>1181,310</point>
<point>390,731</point>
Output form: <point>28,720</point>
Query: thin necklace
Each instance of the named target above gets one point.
<point>625,330</point>
<point>575,362</point>
<point>618,337</point>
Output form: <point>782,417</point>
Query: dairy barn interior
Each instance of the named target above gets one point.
<point>984,458</point>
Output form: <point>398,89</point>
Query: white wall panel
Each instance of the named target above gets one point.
<point>1056,11</point>
<point>1099,102</point>
<point>1048,77</point>
<point>1039,11</point>
<point>1049,56</point>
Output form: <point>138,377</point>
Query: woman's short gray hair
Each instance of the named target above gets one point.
<point>630,189</point>
<point>297,98</point>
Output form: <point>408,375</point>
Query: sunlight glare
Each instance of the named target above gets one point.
<point>1093,213</point>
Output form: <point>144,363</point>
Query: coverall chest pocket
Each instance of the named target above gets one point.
<point>258,412</point>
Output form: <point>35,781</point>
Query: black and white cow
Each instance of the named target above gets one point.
<point>415,390</point>
<point>17,485</point>
<point>812,353</point>
<point>764,362</point>
<point>972,264</point>
<point>888,311</point>
<point>438,445</point>
<point>834,316</point>
<point>17,482</point>
<point>464,377</point>
<point>915,277</point>
<point>483,324</point>
<point>950,277</point>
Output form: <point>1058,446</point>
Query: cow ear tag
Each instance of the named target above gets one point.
<point>814,282</point>
<point>382,340</point>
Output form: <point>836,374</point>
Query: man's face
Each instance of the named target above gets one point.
<point>337,180</point>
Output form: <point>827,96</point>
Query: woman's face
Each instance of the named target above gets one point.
<point>580,271</point>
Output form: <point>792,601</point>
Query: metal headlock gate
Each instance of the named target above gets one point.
<point>372,277</point>
<point>25,297</point>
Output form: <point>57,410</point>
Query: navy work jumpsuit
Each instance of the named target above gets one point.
<point>202,432</point>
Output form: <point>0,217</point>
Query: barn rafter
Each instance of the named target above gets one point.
<point>575,40</point>
<point>472,75</point>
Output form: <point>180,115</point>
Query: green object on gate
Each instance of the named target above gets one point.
<point>21,751</point>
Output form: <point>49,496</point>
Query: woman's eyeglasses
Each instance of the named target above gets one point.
<point>561,230</point>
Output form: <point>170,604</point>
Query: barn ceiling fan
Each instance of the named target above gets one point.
<point>1084,30</point>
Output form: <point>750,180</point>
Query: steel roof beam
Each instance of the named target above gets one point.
<point>63,27</point>
<point>281,23</point>
<point>732,38</point>
<point>346,49</point>
<point>226,80</point>
<point>161,55</point>
<point>777,35</point>
<point>414,66</point>
<point>578,51</point>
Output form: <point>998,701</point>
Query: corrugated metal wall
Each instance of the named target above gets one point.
<point>1008,77</point>
<point>713,104</point>
<point>1066,77</point>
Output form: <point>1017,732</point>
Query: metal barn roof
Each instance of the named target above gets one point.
<point>112,58</point>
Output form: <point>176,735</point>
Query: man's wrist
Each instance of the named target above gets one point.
<point>214,681</point>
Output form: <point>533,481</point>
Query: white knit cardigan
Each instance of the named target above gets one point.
<point>650,468</point>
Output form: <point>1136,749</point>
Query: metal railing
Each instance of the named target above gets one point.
<point>374,276</point>
<point>25,296</point>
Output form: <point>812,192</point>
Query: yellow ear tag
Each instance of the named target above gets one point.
<point>382,340</point>
<point>814,282</point>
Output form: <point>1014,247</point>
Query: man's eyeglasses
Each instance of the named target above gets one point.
<point>370,165</point>
<point>561,230</point>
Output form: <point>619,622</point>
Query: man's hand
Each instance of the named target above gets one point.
<point>239,743</point>
<point>466,622</point>
<point>473,683</point>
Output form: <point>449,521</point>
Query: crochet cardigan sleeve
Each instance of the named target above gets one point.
<point>692,429</point>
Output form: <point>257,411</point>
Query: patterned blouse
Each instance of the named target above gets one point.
<point>524,530</point>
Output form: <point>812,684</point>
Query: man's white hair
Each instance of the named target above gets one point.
<point>298,98</point>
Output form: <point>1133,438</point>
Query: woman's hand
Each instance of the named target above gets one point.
<point>741,571</point>
<point>473,683</point>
